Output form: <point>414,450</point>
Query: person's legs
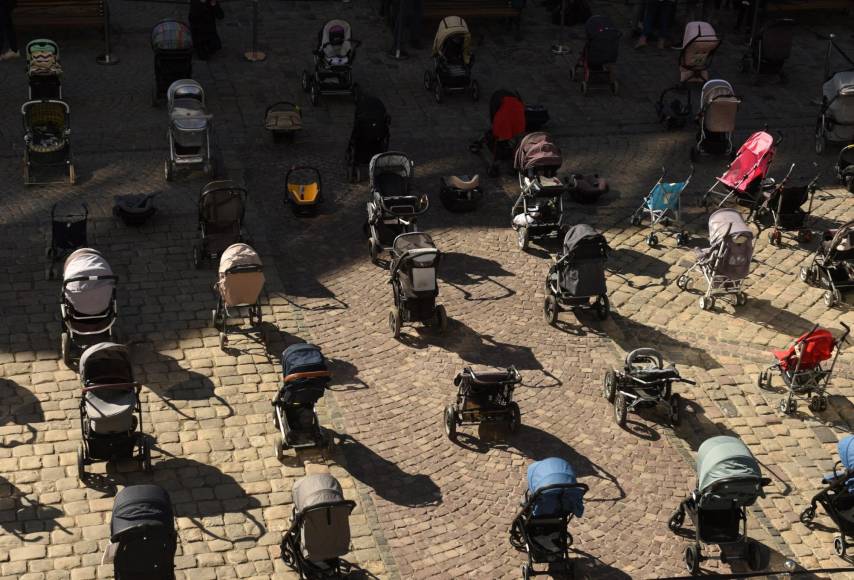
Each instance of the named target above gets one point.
<point>650,20</point>
<point>665,17</point>
<point>7,30</point>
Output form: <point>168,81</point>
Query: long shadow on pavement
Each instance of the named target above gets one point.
<point>631,334</point>
<point>20,515</point>
<point>18,406</point>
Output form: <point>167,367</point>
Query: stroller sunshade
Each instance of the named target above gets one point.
<point>815,347</point>
<point>88,297</point>
<point>727,459</point>
<point>105,363</point>
<point>316,489</point>
<point>136,505</point>
<point>508,118</point>
<point>453,27</point>
<point>555,502</point>
<point>171,35</point>
<point>537,150</point>
<point>582,235</point>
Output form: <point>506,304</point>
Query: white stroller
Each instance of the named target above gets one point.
<point>87,301</point>
<point>716,119</point>
<point>189,128</point>
<point>836,119</point>
<point>333,63</point>
<point>726,262</point>
<point>240,283</point>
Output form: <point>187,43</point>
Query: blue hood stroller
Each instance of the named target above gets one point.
<point>663,206</point>
<point>541,528</point>
<point>837,498</point>
<point>305,378</point>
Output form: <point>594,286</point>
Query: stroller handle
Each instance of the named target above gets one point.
<point>123,386</point>
<point>846,333</point>
<point>686,381</point>
<point>88,279</point>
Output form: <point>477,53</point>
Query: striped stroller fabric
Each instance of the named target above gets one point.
<point>171,35</point>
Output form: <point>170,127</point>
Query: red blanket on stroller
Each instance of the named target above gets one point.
<point>812,348</point>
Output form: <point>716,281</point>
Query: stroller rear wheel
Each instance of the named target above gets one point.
<point>373,250</point>
<point>515,417</point>
<point>522,238</point>
<point>609,386</point>
<point>65,349</point>
<point>764,380</point>
<point>740,299</point>
<point>279,447</point>
<point>550,310</point>
<point>707,302</point>
<point>603,307</point>
<point>807,275</point>
<point>808,515</point>
<point>144,454</point>
<point>839,546</point>
<point>223,341</point>
<point>831,297</point>
<point>168,170</point>
<point>620,409</point>
<point>682,239</point>
<point>674,410</point>
<point>788,405</point>
<point>754,556</point>
<point>394,322</point>
<point>652,240</point>
<point>692,558</point>
<point>81,462</point>
<point>450,423</point>
<point>676,520</point>
<point>818,403</point>
<point>305,81</point>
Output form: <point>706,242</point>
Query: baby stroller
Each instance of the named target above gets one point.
<point>172,44</point>
<point>643,382</point>
<point>333,62</point>
<point>599,56</point>
<point>109,400</point>
<point>663,205</point>
<point>845,167</point>
<point>541,528</point>
<point>303,191</point>
<point>319,533</point>
<point>507,118</point>
<point>831,267</point>
<point>306,377</point>
<point>578,274</point>
<point>393,209</point>
<point>67,233</point>
<point>241,280</point>
<point>452,60</point>
<point>769,49</point>
<point>837,498</point>
<point>87,301</point>
<point>283,120</point>
<point>43,69</point>
<point>699,43</point>
<point>538,211</point>
<point>800,367</point>
<point>370,135</point>
<point>47,142</point>
<point>413,281</point>
<point>222,206</point>
<point>716,120</point>
<point>459,193</point>
<point>142,534</point>
<point>484,395</point>
<point>780,207</point>
<point>189,128</point>
<point>729,481</point>
<point>743,178</point>
<point>836,118</point>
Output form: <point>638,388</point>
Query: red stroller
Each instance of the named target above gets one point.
<point>743,178</point>
<point>800,367</point>
<point>507,123</point>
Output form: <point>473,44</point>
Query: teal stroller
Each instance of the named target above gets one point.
<point>663,207</point>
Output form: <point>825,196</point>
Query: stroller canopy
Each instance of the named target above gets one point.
<point>370,109</point>
<point>222,202</point>
<point>237,255</point>
<point>699,43</point>
<point>412,241</point>
<point>316,489</point>
<point>141,505</point>
<point>846,452</point>
<point>603,41</point>
<point>815,347</point>
<point>838,94</point>
<point>582,235</point>
<point>88,297</point>
<point>453,27</point>
<point>335,29</point>
<point>537,150</point>
<point>303,358</point>
<point>391,162</point>
<point>508,115</point>
<point>240,277</point>
<point>727,222</point>
<point>725,459</point>
<point>714,89</point>
<point>751,162</point>
<point>106,363</point>
<point>557,502</point>
<point>185,89</point>
<point>171,35</point>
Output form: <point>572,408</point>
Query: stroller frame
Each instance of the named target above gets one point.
<point>663,214</point>
<point>836,483</point>
<point>820,271</point>
<point>769,207</point>
<point>499,407</point>
<point>292,548</point>
<point>69,225</point>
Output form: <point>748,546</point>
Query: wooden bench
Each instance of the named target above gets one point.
<point>41,14</point>
<point>435,10</point>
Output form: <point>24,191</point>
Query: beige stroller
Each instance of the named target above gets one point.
<point>699,43</point>
<point>716,119</point>
<point>241,280</point>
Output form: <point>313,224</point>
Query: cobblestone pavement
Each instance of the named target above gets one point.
<point>426,507</point>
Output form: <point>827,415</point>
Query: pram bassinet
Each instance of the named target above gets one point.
<point>142,534</point>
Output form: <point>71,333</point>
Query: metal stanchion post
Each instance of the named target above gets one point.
<point>559,48</point>
<point>254,55</point>
<point>107,58</point>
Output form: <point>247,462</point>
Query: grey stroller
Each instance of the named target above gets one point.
<point>319,533</point>
<point>726,262</point>
<point>189,128</point>
<point>578,275</point>
<point>716,119</point>
<point>413,280</point>
<point>836,118</point>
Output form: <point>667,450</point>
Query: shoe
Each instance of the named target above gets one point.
<point>641,42</point>
<point>10,54</point>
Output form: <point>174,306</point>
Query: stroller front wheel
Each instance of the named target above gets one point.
<point>428,80</point>
<point>65,349</point>
<point>740,299</point>
<point>807,515</point>
<point>692,558</point>
<point>450,423</point>
<point>830,298</point>
<point>707,302</point>
<point>839,546</point>
<point>515,417</point>
<point>676,520</point>
<point>394,322</point>
<point>675,404</point>
<point>304,81</point>
<point>522,238</point>
<point>620,409</point>
<point>550,310</point>
<point>609,386</point>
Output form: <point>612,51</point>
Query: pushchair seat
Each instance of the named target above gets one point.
<point>110,410</point>
<point>389,184</point>
<point>720,526</point>
<point>486,376</point>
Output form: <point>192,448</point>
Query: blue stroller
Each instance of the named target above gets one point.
<point>837,498</point>
<point>541,528</point>
<point>663,205</point>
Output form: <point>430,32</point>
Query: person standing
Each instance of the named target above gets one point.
<point>659,14</point>
<point>203,17</point>
<point>7,31</point>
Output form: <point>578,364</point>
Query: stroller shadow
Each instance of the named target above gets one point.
<point>629,261</point>
<point>388,480</point>
<point>277,340</point>
<point>762,313</point>
<point>29,516</point>
<point>345,376</point>
<point>462,270</point>
<point>18,406</point>
<point>589,566</point>
<point>631,334</point>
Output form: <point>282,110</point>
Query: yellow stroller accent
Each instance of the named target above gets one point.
<point>303,192</point>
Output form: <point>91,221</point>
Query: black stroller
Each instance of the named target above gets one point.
<point>370,135</point>
<point>837,498</point>
<point>413,281</point>
<point>142,534</point>
<point>831,267</point>
<point>172,44</point>
<point>598,58</point>
<point>333,63</point>
<point>484,395</point>
<point>578,274</point>
<point>47,139</point>
<point>110,397</point>
<point>306,377</point>
<point>769,49</point>
<point>222,205</point>
<point>845,167</point>
<point>452,60</point>
<point>538,211</point>
<point>780,207</point>
<point>67,233</point>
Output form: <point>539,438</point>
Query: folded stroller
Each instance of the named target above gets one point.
<point>189,128</point>
<point>538,211</point>
<point>699,43</point>
<point>43,69</point>
<point>142,534</point>
<point>598,59</point>
<point>306,378</point>
<point>831,267</point>
<point>507,123</point>
<point>837,498</point>
<point>413,281</point>
<point>780,206</point>
<point>370,135</point>
<point>67,233</point>
<point>319,533</point>
<point>47,141</point>
<point>769,49</point>
<point>484,395</point>
<point>845,167</point>
<point>726,262</point>
<point>452,60</point>
<point>742,180</point>
<point>800,367</point>
<point>393,208</point>
<point>110,397</point>
<point>729,481</point>
<point>643,382</point>
<point>333,63</point>
<point>663,206</point>
<point>222,206</point>
<point>716,119</point>
<point>578,274</point>
<point>172,45</point>
<point>87,302</point>
<point>541,528</point>
<point>240,283</point>
<point>835,122</point>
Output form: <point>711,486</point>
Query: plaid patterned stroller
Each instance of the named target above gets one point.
<point>663,206</point>
<point>743,178</point>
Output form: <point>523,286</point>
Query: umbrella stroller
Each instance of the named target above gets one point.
<point>541,528</point>
<point>836,117</point>
<point>800,367</point>
<point>172,45</point>
<point>578,274</point>
<point>283,120</point>
<point>319,533</point>
<point>507,119</point>
<point>780,207</point>
<point>47,142</point>
<point>240,283</point>
<point>716,119</point>
<point>598,58</point>
<point>189,128</point>
<point>43,69</point>
<point>110,397</point>
<point>452,60</point>
<point>743,178</point>
<point>333,63</point>
<point>538,211</point>
<point>663,206</point>
<point>87,302</point>
<point>370,135</point>
<point>413,281</point>
<point>222,206</point>
<point>303,191</point>
<point>831,267</point>
<point>484,395</point>
<point>142,534</point>
<point>729,481</point>
<point>837,498</point>
<point>67,233</point>
<point>306,378</point>
<point>769,49</point>
<point>845,167</point>
<point>726,262</point>
<point>393,208</point>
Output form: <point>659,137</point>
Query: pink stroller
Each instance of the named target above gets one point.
<point>743,178</point>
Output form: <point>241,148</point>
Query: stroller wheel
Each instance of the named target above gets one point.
<point>305,81</point>
<point>620,409</point>
<point>829,298</point>
<point>808,515</point>
<point>145,454</point>
<point>692,558</point>
<point>522,238</point>
<point>609,386</point>
<point>754,556</point>
<point>279,447</point>
<point>441,319</point>
<point>788,405</point>
<point>65,349</point>
<point>515,417</point>
<point>81,463</point>
<point>428,80</point>
<point>707,302</point>
<point>775,237</point>
<point>72,174</point>
<point>526,572</point>
<point>683,282</point>
<point>197,257</point>
<point>652,240</point>
<point>314,94</point>
<point>675,405</point>
<point>806,275</point>
<point>450,423</point>
<point>764,380</point>
<point>815,404</point>
<point>682,239</point>
<point>438,91</point>
<point>676,520</point>
<point>223,341</point>
<point>603,307</point>
<point>740,299</point>
<point>214,319</point>
<point>839,546</point>
<point>373,251</point>
<point>168,170</point>
<point>394,322</point>
<point>550,310</point>
<point>635,220</point>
